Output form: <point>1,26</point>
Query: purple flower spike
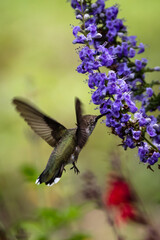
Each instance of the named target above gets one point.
<point>108,57</point>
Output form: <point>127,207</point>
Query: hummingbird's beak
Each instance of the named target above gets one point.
<point>99,116</point>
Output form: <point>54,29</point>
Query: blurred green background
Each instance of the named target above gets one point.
<point>38,62</point>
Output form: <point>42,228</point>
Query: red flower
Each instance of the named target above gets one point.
<point>118,193</point>
<point>127,212</point>
<point>119,197</point>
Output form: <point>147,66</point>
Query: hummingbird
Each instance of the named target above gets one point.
<point>67,143</point>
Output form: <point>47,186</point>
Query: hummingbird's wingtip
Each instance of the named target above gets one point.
<point>17,99</point>
<point>14,100</point>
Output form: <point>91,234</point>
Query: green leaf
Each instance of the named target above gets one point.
<point>154,82</point>
<point>58,218</point>
<point>79,236</point>
<point>158,119</point>
<point>154,103</point>
<point>29,172</point>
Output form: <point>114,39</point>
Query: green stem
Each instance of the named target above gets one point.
<point>151,144</point>
<point>148,70</point>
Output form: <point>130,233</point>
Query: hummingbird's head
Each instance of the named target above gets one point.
<point>89,122</point>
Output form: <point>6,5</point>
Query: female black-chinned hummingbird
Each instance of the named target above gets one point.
<point>67,143</point>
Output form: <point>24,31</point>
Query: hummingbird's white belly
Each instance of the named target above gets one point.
<point>75,154</point>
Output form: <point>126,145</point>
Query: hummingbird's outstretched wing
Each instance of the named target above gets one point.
<point>81,133</point>
<point>47,128</point>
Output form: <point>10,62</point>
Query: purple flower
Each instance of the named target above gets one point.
<point>141,48</point>
<point>92,28</point>
<point>157,68</point>
<point>143,152</point>
<point>123,85</point>
<point>151,131</point>
<point>136,134</point>
<point>114,123</point>
<point>111,34</point>
<point>96,79</point>
<point>118,50</point>
<point>75,4</point>
<point>132,40</point>
<point>80,69</point>
<point>111,13</point>
<point>154,158</point>
<point>76,29</point>
<point>144,61</point>
<point>105,107</point>
<point>128,143</point>
<point>132,107</point>
<point>132,53</point>
<point>149,92</point>
<point>87,54</point>
<point>104,56</point>
<point>123,69</point>
<point>115,113</point>
<point>106,60</point>
<point>119,131</point>
<point>125,47</point>
<point>109,24</point>
<point>142,120</point>
<point>80,39</point>
<point>118,23</point>
<point>98,7</point>
<point>96,98</point>
<point>112,87</point>
<point>139,65</point>
<point>125,118</point>
<point>112,76</point>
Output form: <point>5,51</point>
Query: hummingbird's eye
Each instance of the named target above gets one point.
<point>92,123</point>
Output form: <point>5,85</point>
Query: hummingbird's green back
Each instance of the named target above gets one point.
<point>60,155</point>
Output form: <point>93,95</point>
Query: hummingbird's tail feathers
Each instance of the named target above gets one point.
<point>51,182</point>
<point>37,181</point>
<point>44,177</point>
<point>55,179</point>
<point>41,178</point>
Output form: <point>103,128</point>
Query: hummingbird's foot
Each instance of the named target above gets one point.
<point>76,170</point>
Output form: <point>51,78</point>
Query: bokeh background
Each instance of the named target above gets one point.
<point>38,62</point>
